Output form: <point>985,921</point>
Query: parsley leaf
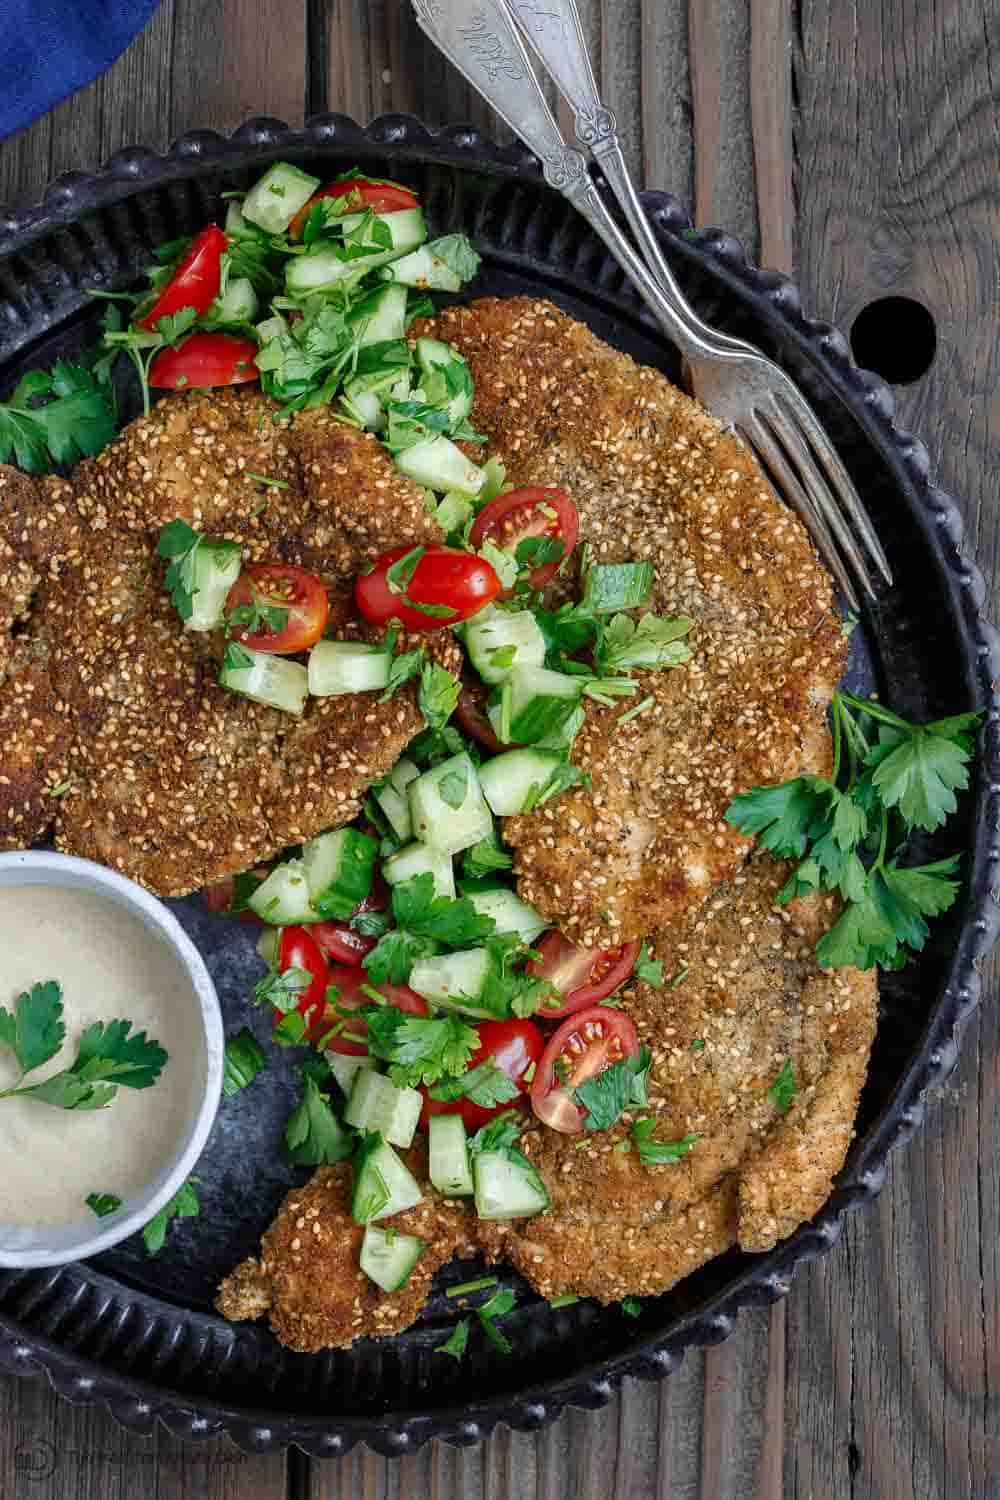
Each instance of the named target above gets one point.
<point>648,969</point>
<point>244,1060</point>
<point>656,1153</point>
<point>457,253</point>
<point>183,1205</point>
<point>456,923</point>
<point>485,857</point>
<point>35,1030</point>
<point>456,1343</point>
<point>108,1055</point>
<point>500,1303</point>
<point>103,1204</point>
<point>631,1307</point>
<point>919,771</point>
<point>313,1134</point>
<point>497,1135</point>
<point>486,1086</point>
<point>401,669</point>
<point>56,417</point>
<point>653,644</point>
<point>419,1049</point>
<point>783,1089</point>
<point>606,1096</point>
<point>391,960</point>
<point>439,692</point>
<point>283,990</point>
<point>454,787</point>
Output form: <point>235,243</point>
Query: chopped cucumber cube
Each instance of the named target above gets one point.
<point>272,680</point>
<point>383,1185</point>
<point>382,314</point>
<point>283,898</point>
<point>420,859</point>
<point>509,780</point>
<point>446,378</point>
<point>499,641</point>
<point>449,1167</point>
<point>377,1104</point>
<point>438,464</point>
<point>271,328</point>
<point>364,408</point>
<point>422,269</point>
<point>238,303</point>
<point>540,702</point>
<point>388,1257</point>
<point>346,1069</point>
<point>324,264</point>
<point>453,512</point>
<point>448,808</point>
<point>508,911</point>
<point>276,198</point>
<point>215,567</point>
<point>507,1187</point>
<point>455,981</point>
<point>339,867</point>
<point>337,667</point>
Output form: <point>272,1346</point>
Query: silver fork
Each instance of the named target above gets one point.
<point>743,388</point>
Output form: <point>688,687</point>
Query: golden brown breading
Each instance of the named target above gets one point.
<point>174,780</point>
<point>654,476</point>
<point>748,996</point>
<point>308,1277</point>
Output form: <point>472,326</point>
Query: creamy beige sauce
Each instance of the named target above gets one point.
<point>110,967</point>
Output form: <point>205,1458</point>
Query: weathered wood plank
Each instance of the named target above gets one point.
<point>719,49</point>
<point>771,125</point>
<point>667,142</point>
<point>893,1362</point>
<point>252,63</point>
<point>49,1450</point>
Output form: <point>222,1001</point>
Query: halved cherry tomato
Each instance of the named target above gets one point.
<point>297,949</point>
<point>459,581</point>
<point>205,359</point>
<point>583,1046</point>
<point>342,943</point>
<point>381,197</point>
<point>470,711</point>
<point>196,281</point>
<point>280,586</point>
<point>350,997</point>
<point>533,511</point>
<point>514,1046</point>
<point>583,976</point>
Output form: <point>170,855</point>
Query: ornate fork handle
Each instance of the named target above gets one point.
<point>483,42</point>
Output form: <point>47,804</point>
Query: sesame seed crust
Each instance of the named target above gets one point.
<point>752,997</point>
<point>308,1278</point>
<point>654,476</point>
<point>171,779</point>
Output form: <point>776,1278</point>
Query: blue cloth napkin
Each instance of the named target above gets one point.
<point>51,48</point>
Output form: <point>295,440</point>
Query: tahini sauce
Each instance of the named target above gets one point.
<point>110,967</point>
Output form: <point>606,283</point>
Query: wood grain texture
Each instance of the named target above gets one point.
<point>894,1363</point>
<point>771,126</point>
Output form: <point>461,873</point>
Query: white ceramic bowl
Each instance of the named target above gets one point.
<point>54,1245</point>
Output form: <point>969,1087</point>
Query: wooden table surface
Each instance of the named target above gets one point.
<point>857,140</point>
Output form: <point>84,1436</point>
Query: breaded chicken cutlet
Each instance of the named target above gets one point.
<point>654,476</point>
<point>114,732</point>
<point>747,997</point>
<point>308,1280</point>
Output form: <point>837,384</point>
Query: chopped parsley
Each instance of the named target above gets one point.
<point>657,1153</point>
<point>103,1204</point>
<point>244,1060</point>
<point>57,416</point>
<point>314,1135</point>
<point>648,969</point>
<point>783,1089</point>
<point>458,1340</point>
<point>610,1093</point>
<point>183,1205</point>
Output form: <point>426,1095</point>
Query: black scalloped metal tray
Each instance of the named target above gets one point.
<point>140,1335</point>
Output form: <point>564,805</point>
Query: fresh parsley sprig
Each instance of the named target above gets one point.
<point>109,1054</point>
<point>847,832</point>
<point>58,416</point>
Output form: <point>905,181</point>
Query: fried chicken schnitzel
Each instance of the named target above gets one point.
<point>308,1279</point>
<point>751,999</point>
<point>654,476</point>
<point>171,779</point>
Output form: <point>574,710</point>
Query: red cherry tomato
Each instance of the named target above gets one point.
<point>205,359</point>
<point>341,943</point>
<point>583,976</point>
<point>196,281</point>
<point>470,711</point>
<point>381,197</point>
<point>350,997</point>
<point>584,1045</point>
<point>279,586</point>
<point>514,1046</point>
<point>459,581</point>
<point>533,511</point>
<point>298,950</point>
